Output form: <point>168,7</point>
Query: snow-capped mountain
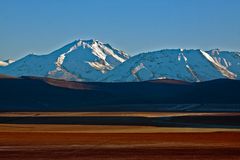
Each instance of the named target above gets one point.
<point>179,64</point>
<point>81,60</point>
<point>9,61</point>
<point>5,63</point>
<point>91,60</point>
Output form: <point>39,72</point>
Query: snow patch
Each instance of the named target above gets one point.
<point>218,66</point>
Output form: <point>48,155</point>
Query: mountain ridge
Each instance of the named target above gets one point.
<point>46,94</point>
<point>188,65</point>
<point>92,60</point>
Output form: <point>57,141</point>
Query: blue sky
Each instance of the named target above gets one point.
<point>41,26</point>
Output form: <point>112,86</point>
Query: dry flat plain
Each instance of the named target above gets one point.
<point>94,135</point>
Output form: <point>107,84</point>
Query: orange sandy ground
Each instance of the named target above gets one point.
<point>124,146</point>
<point>99,142</point>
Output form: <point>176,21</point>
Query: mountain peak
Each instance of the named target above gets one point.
<point>81,60</point>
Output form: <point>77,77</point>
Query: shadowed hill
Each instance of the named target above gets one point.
<point>43,94</point>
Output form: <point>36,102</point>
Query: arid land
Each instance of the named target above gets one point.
<point>82,135</point>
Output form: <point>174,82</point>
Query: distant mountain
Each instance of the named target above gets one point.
<point>44,94</point>
<point>5,63</point>
<point>179,64</point>
<point>82,60</point>
<point>9,61</point>
<point>91,60</point>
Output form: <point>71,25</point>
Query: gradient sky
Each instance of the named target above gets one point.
<point>41,26</point>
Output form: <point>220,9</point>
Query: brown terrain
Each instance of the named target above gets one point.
<point>23,138</point>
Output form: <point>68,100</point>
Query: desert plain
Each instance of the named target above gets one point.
<point>119,135</point>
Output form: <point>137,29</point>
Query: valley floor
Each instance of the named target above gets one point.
<point>51,135</point>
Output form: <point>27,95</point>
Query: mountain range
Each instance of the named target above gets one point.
<point>94,61</point>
